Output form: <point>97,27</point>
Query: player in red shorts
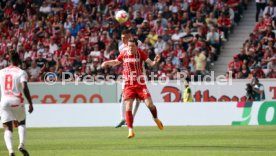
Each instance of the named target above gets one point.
<point>135,86</point>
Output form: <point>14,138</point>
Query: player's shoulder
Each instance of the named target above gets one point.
<point>141,51</point>
<point>122,47</point>
<point>22,72</point>
<point>12,70</point>
<point>19,71</point>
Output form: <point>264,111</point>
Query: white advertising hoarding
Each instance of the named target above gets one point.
<point>172,114</point>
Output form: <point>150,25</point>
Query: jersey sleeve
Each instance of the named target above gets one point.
<point>24,77</point>
<point>144,56</point>
<point>120,57</point>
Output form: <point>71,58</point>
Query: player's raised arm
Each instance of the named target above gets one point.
<point>111,63</point>
<point>153,63</point>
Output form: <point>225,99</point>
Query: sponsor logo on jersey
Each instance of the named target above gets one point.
<point>131,60</point>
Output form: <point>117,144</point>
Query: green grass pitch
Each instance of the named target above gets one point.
<point>149,141</point>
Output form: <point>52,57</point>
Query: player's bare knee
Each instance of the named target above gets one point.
<point>149,103</point>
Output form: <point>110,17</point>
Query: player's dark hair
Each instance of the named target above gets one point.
<point>133,40</point>
<point>125,32</point>
<point>14,57</point>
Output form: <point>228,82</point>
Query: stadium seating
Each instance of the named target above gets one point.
<point>76,36</point>
<point>257,56</point>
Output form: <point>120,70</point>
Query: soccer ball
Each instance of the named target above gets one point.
<point>121,16</point>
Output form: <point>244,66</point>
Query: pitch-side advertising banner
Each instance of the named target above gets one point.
<point>173,114</point>
<point>72,93</point>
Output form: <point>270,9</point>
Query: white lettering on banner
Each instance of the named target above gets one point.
<point>131,60</point>
<point>172,91</point>
<point>174,114</point>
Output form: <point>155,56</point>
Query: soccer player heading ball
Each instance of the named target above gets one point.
<point>135,85</point>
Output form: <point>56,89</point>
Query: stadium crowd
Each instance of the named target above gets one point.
<point>76,36</point>
<point>257,57</point>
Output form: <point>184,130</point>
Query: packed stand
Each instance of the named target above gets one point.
<point>257,57</point>
<point>77,36</point>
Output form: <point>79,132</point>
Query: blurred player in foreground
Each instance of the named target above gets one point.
<point>135,87</point>
<point>13,80</point>
<point>125,36</point>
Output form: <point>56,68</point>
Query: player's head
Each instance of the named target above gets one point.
<point>132,45</point>
<point>186,83</point>
<point>14,57</point>
<point>125,36</point>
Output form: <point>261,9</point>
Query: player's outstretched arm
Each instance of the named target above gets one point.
<point>155,62</point>
<point>26,92</point>
<point>110,63</point>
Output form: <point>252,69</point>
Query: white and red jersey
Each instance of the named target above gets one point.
<point>10,81</point>
<point>133,65</point>
<point>123,46</point>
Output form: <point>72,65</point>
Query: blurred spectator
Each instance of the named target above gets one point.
<point>270,9</point>
<point>153,37</point>
<point>77,64</point>
<point>211,20</point>
<point>65,62</point>
<point>45,8</point>
<point>53,46</point>
<point>138,19</point>
<point>224,24</point>
<point>40,61</point>
<point>200,64</point>
<point>74,29</point>
<point>244,71</point>
<point>260,5</point>
<point>163,21</point>
<point>236,64</point>
<point>214,39</point>
<point>96,52</point>
<point>258,72</point>
<point>34,72</point>
<point>271,66</point>
<point>159,46</point>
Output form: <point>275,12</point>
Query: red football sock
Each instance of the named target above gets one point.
<point>129,119</point>
<point>153,111</point>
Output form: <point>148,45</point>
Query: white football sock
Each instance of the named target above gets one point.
<point>8,140</point>
<point>22,134</point>
<point>123,110</point>
<point>135,108</point>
